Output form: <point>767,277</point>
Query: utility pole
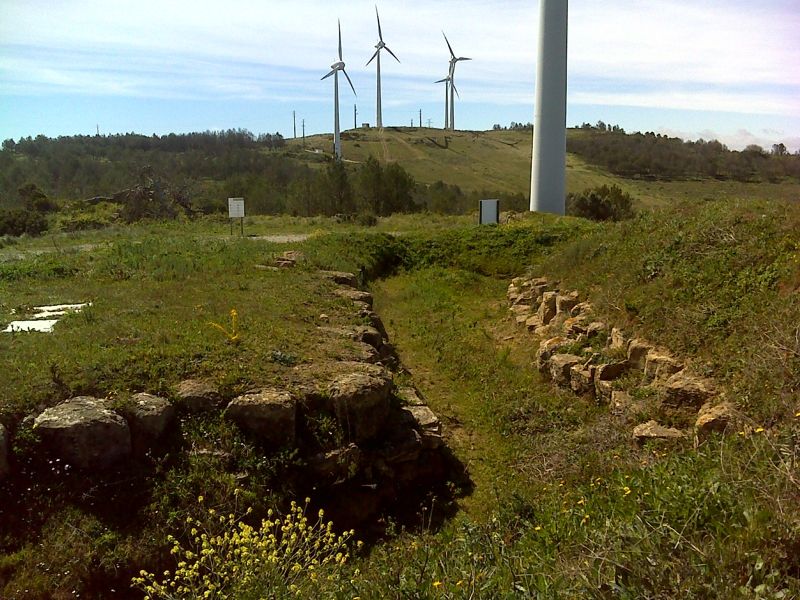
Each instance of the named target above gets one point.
<point>294,124</point>
<point>429,123</point>
<point>412,122</point>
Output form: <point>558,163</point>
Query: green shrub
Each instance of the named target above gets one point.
<point>603,203</point>
<point>20,221</point>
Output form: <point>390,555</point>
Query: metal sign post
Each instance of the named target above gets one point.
<point>236,211</point>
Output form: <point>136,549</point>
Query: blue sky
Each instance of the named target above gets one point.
<point>728,70</point>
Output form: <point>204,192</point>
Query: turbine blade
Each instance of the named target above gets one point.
<point>392,53</point>
<point>439,81</point>
<point>373,58</point>
<point>449,46</point>
<point>455,89</point>
<point>380,34</point>
<point>328,75</point>
<point>463,58</point>
<point>350,82</point>
<point>340,39</point>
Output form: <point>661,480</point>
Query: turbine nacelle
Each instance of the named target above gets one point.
<point>337,66</point>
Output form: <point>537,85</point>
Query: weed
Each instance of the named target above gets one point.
<point>233,334</point>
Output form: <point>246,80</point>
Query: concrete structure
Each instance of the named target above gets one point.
<point>548,163</point>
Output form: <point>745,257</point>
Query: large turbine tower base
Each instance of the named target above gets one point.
<point>548,162</point>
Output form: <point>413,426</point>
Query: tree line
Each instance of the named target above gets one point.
<point>164,176</point>
<point>654,156</point>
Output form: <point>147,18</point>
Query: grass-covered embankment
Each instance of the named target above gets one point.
<point>565,504</point>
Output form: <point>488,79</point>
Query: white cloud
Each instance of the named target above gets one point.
<point>718,55</point>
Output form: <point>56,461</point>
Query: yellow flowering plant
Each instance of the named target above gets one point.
<point>287,556</point>
<point>233,334</point>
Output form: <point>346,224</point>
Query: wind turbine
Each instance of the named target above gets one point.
<point>446,82</point>
<point>451,75</point>
<point>548,160</point>
<point>335,68</point>
<point>380,46</point>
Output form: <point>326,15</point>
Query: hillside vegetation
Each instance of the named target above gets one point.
<point>449,171</point>
<point>553,497</point>
<point>561,501</point>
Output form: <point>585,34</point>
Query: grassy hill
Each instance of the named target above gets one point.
<point>473,160</point>
<point>499,161</point>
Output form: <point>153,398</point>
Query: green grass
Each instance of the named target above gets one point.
<point>562,503</point>
<point>565,505</point>
<point>500,161</point>
<point>716,282</point>
<point>492,161</point>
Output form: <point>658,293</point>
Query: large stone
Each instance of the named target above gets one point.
<point>405,446</point>
<point>361,402</point>
<point>521,313</point>
<point>637,353</point>
<point>547,309</point>
<point>719,417</point>
<point>198,396</point>
<point>341,277</point>
<point>560,366</point>
<point>368,335</point>
<point>660,365</point>
<point>522,298</point>
<point>532,323</point>
<point>354,295</point>
<point>582,379</point>
<point>149,417</point>
<point>338,465</point>
<point>610,371</point>
<point>617,341</point>
<point>410,396</point>
<point>85,433</point>
<point>653,431</point>
<point>566,302</point>
<point>581,309</point>
<point>4,467</point>
<point>375,321</point>
<point>575,326</point>
<point>424,419</point>
<point>603,390</point>
<point>595,328</point>
<point>546,349</point>
<point>683,390</point>
<point>269,414</point>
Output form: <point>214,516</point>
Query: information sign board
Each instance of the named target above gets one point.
<point>236,208</point>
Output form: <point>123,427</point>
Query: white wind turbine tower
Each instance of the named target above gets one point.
<point>452,76</point>
<point>380,46</point>
<point>335,68</point>
<point>549,157</point>
<point>446,82</point>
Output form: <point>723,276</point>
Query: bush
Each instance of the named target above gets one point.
<point>604,203</point>
<point>19,221</point>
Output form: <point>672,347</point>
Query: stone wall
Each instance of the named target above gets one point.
<point>379,438</point>
<point>631,376</point>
